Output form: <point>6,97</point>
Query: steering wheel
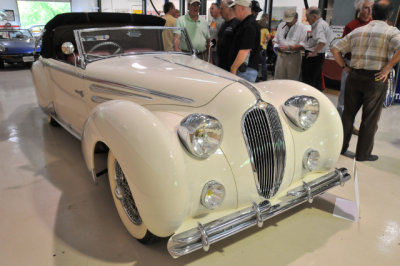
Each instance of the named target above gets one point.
<point>108,43</point>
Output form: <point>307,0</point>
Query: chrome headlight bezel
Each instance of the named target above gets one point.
<point>302,111</point>
<point>200,134</point>
<point>212,195</point>
<point>2,48</point>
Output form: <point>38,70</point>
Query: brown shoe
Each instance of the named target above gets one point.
<point>355,131</point>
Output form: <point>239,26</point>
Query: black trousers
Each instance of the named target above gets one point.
<point>362,90</point>
<point>311,70</point>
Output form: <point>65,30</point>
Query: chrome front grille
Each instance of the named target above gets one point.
<point>262,130</point>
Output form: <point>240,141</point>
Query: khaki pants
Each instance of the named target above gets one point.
<point>288,66</point>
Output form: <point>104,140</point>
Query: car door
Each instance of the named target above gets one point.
<point>69,94</point>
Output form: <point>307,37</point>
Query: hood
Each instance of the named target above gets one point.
<point>177,75</point>
<point>25,46</point>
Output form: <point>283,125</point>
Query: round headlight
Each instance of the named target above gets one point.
<point>302,111</point>
<point>2,48</point>
<point>311,160</point>
<point>200,134</point>
<point>212,195</point>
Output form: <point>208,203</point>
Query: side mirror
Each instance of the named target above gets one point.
<point>67,48</point>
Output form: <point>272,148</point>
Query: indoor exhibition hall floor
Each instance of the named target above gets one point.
<point>52,214</point>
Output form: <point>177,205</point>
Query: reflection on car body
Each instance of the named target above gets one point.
<point>194,152</point>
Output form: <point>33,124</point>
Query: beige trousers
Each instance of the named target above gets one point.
<point>288,66</point>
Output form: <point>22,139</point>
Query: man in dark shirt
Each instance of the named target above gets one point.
<point>246,45</point>
<point>225,35</point>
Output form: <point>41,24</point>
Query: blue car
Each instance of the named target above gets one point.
<point>17,45</point>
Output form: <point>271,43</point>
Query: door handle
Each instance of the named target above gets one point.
<point>79,92</point>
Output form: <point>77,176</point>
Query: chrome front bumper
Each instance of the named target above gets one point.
<point>204,235</point>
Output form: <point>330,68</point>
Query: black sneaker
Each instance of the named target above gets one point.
<point>370,158</point>
<point>348,154</point>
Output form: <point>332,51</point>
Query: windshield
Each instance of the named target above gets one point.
<point>105,42</point>
<point>14,34</point>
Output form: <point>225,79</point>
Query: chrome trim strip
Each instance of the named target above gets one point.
<point>205,235</point>
<point>107,90</point>
<point>99,99</point>
<point>251,88</point>
<point>51,112</point>
<point>66,71</point>
<point>142,90</point>
<point>124,86</point>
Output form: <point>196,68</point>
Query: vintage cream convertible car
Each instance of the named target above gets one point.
<point>194,153</point>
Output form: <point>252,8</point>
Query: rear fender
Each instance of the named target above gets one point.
<point>151,157</point>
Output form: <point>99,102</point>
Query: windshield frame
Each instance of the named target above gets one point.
<point>83,56</point>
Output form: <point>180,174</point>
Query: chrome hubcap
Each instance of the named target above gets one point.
<point>123,193</point>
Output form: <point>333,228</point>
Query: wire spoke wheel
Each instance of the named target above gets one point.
<point>125,203</point>
<point>124,194</point>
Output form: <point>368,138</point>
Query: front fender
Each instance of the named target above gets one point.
<point>150,156</point>
<point>326,135</point>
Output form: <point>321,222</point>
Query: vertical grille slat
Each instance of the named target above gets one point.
<point>260,147</point>
<point>263,134</point>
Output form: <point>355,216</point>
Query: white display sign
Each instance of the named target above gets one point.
<point>337,31</point>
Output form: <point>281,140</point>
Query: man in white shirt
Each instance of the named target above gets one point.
<point>289,40</point>
<point>316,46</point>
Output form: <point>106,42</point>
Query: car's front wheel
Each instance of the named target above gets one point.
<point>1,63</point>
<point>125,202</point>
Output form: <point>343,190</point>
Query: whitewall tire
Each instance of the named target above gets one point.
<point>125,203</point>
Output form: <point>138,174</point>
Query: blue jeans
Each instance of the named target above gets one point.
<point>250,74</point>
<point>264,65</point>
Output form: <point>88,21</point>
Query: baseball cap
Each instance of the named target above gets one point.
<point>246,3</point>
<point>289,14</point>
<point>255,6</point>
<point>193,1</point>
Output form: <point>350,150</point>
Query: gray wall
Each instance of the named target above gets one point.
<point>10,5</point>
<point>343,12</point>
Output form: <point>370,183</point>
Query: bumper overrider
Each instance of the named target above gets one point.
<point>206,234</point>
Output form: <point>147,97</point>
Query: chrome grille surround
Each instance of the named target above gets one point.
<point>262,131</point>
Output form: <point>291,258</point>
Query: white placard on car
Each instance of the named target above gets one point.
<point>28,59</point>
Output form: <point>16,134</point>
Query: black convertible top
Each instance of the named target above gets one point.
<point>60,28</point>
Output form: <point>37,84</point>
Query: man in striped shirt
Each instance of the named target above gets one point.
<point>375,49</point>
<point>364,10</point>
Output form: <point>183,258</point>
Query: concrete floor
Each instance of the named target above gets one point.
<point>52,214</point>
